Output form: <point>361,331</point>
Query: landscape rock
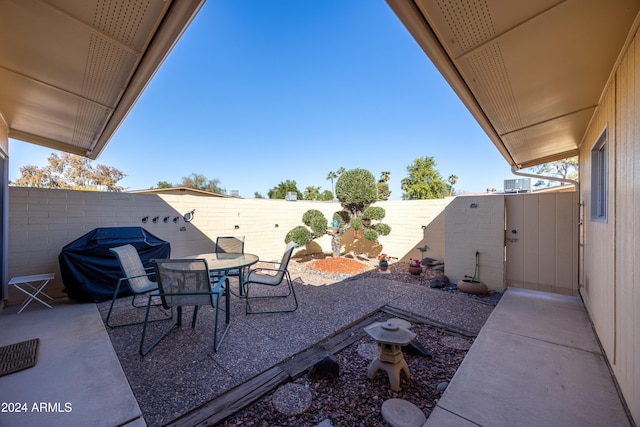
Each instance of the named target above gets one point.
<point>442,386</point>
<point>416,348</point>
<point>440,281</point>
<point>328,368</point>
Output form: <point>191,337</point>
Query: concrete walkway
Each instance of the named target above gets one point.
<point>77,380</point>
<point>536,362</point>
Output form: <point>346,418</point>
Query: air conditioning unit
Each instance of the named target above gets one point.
<point>291,196</point>
<point>517,185</point>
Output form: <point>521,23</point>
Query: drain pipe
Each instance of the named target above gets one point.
<point>548,178</point>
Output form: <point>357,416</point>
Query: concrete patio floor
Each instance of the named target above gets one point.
<point>535,362</point>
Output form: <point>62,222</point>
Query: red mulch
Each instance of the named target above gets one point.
<point>339,265</point>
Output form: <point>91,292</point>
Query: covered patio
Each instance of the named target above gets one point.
<point>183,382</point>
<point>541,81</point>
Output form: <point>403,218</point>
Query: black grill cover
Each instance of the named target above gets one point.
<point>90,272</point>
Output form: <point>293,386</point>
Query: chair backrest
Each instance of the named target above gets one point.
<point>230,244</point>
<point>183,282</point>
<point>132,267</point>
<point>284,263</point>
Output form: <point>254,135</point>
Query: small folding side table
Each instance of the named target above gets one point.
<point>32,286</point>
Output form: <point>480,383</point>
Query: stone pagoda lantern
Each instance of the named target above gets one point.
<point>390,337</point>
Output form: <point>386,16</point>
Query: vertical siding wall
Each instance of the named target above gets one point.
<point>543,253</point>
<point>476,229</point>
<point>42,222</point>
<point>611,250</point>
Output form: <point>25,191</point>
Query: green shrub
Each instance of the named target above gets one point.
<point>316,221</point>
<point>370,234</point>
<point>356,223</point>
<point>383,229</point>
<point>300,235</point>
<point>356,189</point>
<point>374,212</point>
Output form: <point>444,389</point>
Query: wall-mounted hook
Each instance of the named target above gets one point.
<point>176,219</point>
<point>145,219</point>
<point>236,227</point>
<point>166,219</point>
<point>155,219</point>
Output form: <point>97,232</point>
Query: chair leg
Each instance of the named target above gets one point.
<point>291,292</point>
<point>195,314</point>
<point>119,325</point>
<point>145,350</point>
<point>218,342</point>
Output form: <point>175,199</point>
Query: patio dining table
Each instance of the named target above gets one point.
<point>225,262</point>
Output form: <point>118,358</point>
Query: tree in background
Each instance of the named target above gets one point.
<point>196,181</point>
<point>383,187</point>
<point>326,195</point>
<point>280,191</point>
<point>356,190</point>
<point>257,195</point>
<point>423,181</point>
<point>566,169</point>
<point>451,182</point>
<point>316,193</point>
<point>69,171</point>
<point>334,175</point>
<point>311,193</point>
<point>201,182</point>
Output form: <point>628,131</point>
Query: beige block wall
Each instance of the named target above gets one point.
<point>476,229</point>
<point>43,221</point>
<point>611,250</point>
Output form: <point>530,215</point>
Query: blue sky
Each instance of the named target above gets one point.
<point>259,92</point>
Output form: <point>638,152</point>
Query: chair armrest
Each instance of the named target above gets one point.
<point>266,269</point>
<point>216,288</point>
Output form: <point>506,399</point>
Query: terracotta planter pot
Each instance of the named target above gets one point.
<point>416,271</point>
<point>475,288</point>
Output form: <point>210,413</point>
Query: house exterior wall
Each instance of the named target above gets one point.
<point>4,210</point>
<point>43,221</point>
<point>609,273</point>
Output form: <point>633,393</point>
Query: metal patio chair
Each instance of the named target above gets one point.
<point>271,277</point>
<point>135,275</point>
<point>230,245</point>
<point>184,283</point>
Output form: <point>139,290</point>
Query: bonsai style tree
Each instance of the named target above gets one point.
<point>356,190</point>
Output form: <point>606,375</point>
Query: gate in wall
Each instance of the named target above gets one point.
<point>541,242</point>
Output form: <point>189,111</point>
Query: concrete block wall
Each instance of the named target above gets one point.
<point>469,229</point>
<point>43,221</point>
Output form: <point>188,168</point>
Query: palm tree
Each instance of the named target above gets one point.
<point>452,181</point>
<point>332,175</point>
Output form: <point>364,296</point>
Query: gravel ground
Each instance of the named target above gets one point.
<point>397,271</point>
<point>352,399</point>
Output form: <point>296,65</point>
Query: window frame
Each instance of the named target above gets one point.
<point>599,178</point>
